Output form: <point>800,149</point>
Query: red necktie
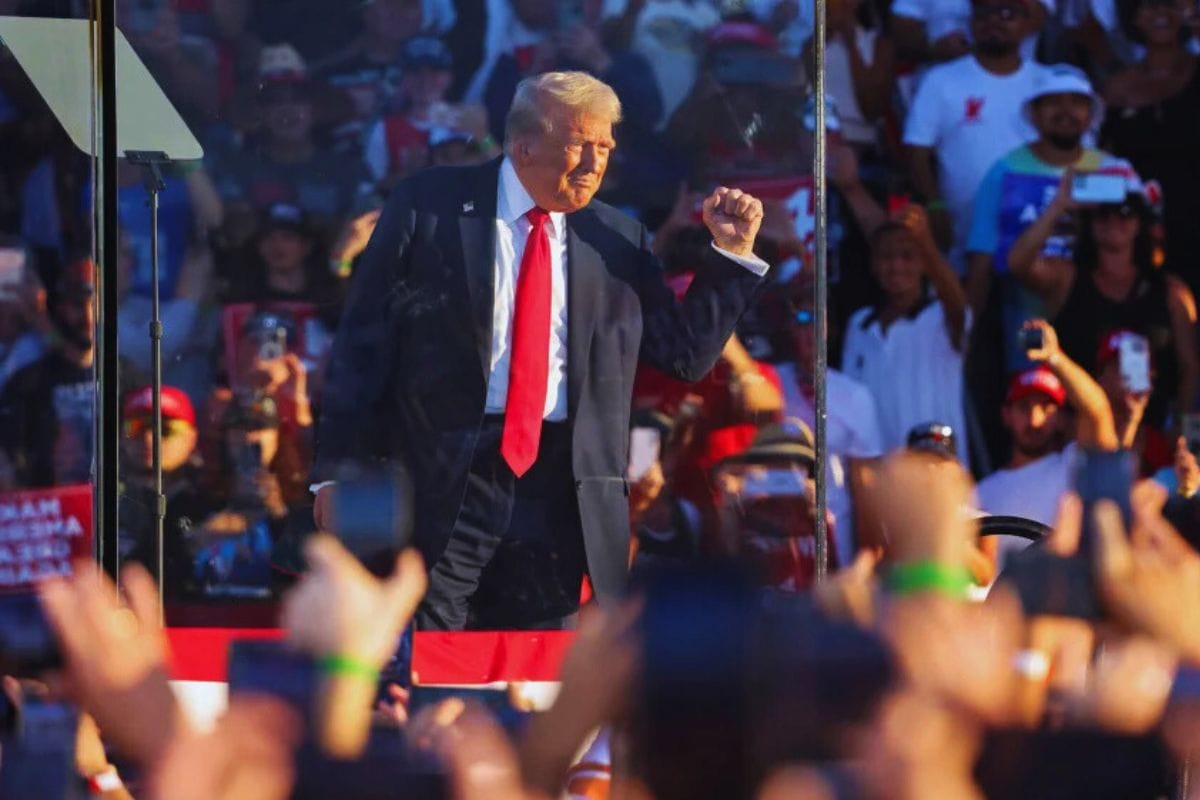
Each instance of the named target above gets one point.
<point>529,360</point>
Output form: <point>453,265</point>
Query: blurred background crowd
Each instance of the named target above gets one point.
<point>1014,188</point>
<point>956,129</point>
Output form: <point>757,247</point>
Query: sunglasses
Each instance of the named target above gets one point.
<point>1122,210</point>
<point>137,427</point>
<point>804,317</point>
<point>1006,12</point>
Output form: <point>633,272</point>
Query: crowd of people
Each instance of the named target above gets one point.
<point>1012,222</point>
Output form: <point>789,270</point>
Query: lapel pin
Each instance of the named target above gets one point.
<point>468,207</point>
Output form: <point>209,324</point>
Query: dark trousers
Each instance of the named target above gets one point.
<point>515,559</point>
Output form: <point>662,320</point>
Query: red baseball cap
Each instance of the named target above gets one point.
<point>175,404</point>
<point>1110,345</point>
<point>1038,380</point>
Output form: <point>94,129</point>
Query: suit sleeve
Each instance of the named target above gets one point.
<point>352,418</point>
<point>684,338</point>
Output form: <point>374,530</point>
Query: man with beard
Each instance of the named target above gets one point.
<point>1020,188</point>
<point>47,408</point>
<point>1037,414</point>
<point>967,113</point>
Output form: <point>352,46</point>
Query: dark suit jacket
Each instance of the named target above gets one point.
<point>408,374</point>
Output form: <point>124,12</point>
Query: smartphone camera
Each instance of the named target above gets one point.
<point>1030,339</point>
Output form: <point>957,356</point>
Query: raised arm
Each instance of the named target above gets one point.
<point>1051,282</point>
<point>1181,305</point>
<point>945,283</point>
<point>1096,428</point>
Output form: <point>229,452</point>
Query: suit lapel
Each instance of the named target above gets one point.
<point>584,287</point>
<point>477,227</point>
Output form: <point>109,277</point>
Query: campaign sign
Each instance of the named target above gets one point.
<point>41,531</point>
<point>1022,200</point>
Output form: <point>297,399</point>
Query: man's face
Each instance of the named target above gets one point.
<point>1035,423</point>
<point>288,117</point>
<point>562,170</point>
<point>1063,118</point>
<point>178,443</point>
<point>997,26</point>
<point>283,250</point>
<point>896,263</point>
<point>77,316</point>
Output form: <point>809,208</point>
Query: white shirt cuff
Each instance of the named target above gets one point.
<point>316,487</point>
<point>752,262</point>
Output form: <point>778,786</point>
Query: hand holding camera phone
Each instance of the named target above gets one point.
<point>1133,354</point>
<point>1098,187</point>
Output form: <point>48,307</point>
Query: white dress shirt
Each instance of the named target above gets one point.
<point>512,231</point>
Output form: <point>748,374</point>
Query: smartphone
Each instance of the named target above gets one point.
<point>273,668</point>
<point>39,756</point>
<point>1103,476</point>
<point>273,345</point>
<point>1133,355</point>
<point>373,518</point>
<point>644,446</point>
<point>1098,187</point>
<point>774,483</point>
<point>1030,339</point>
<point>1191,431</point>
<point>12,266</point>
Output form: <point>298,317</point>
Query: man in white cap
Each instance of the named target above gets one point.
<point>1021,186</point>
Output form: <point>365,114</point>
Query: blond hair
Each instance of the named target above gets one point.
<point>578,91</point>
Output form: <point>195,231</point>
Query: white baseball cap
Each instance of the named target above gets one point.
<point>1063,79</point>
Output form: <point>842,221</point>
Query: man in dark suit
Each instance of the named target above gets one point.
<point>489,345</point>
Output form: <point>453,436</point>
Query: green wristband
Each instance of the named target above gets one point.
<point>348,666</point>
<point>928,576</point>
<point>936,205</point>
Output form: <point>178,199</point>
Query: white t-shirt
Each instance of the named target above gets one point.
<point>944,17</point>
<point>1032,491</point>
<point>855,127</point>
<point>851,431</point>
<point>912,371</point>
<point>670,34</point>
<point>971,118</point>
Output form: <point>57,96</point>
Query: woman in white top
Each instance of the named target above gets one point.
<point>907,348</point>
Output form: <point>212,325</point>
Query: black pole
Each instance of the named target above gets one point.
<point>821,287</point>
<point>104,219</point>
<point>151,163</point>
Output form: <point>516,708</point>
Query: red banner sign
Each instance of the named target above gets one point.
<point>41,531</point>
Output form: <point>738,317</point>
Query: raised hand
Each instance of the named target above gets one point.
<point>733,218</point>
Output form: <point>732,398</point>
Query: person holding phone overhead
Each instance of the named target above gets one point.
<point>1111,283</point>
<point>489,345</point>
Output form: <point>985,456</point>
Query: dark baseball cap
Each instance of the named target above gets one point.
<point>788,440</point>
<point>286,216</point>
<point>426,51</point>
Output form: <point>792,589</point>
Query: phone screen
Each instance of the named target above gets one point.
<point>1095,187</point>
<point>12,266</point>
<point>774,483</point>
<point>644,444</point>
<point>1103,476</point>
<point>1134,356</point>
